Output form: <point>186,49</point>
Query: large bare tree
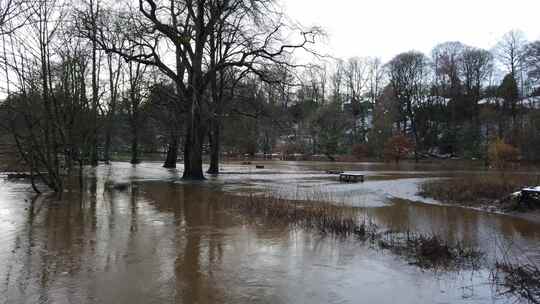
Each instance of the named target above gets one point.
<point>194,30</point>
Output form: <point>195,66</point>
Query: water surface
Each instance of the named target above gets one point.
<point>165,241</point>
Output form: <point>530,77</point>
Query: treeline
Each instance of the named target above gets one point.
<point>87,81</point>
<point>454,102</point>
<point>85,78</point>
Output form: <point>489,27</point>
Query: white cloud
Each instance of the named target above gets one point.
<point>386,27</point>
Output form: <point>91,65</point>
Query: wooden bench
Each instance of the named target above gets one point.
<point>335,172</point>
<point>18,176</point>
<point>351,178</point>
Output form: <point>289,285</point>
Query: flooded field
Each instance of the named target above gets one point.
<point>166,241</point>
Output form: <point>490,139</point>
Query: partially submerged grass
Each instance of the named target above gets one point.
<point>425,251</point>
<point>431,251</point>
<point>520,281</point>
<point>478,191</point>
<point>325,218</point>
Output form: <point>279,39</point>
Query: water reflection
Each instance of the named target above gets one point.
<point>491,232</point>
<point>165,242</point>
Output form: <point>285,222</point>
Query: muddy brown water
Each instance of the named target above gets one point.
<point>165,241</point>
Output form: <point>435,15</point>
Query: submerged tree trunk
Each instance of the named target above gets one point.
<point>216,123</point>
<point>134,126</point>
<point>135,80</point>
<point>107,148</point>
<point>114,78</point>
<point>135,147</point>
<point>215,147</point>
<point>193,151</point>
<point>95,92</point>
<point>172,153</point>
<point>195,132</point>
<point>108,134</point>
<point>195,125</point>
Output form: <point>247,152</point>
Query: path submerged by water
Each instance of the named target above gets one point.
<point>163,241</point>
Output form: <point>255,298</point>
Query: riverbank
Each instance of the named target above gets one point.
<point>490,192</point>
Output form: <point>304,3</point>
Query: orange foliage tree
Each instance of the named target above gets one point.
<point>360,151</point>
<point>397,147</point>
<point>501,154</point>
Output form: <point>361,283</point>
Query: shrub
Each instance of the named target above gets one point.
<point>501,154</point>
<point>397,148</point>
<point>477,190</point>
<point>360,151</point>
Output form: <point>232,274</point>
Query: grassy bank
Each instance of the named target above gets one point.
<point>479,190</point>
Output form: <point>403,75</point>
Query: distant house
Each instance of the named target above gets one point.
<point>531,102</point>
<point>432,100</point>
<point>363,123</point>
<point>491,101</point>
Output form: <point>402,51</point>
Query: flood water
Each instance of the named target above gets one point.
<point>166,241</point>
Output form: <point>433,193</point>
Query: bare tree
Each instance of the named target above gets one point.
<point>48,107</point>
<point>337,80</point>
<point>510,52</point>
<point>476,67</point>
<point>447,59</point>
<point>114,66</point>
<point>91,16</point>
<point>133,100</point>
<point>357,78</point>
<point>13,15</point>
<point>376,79</point>
<point>408,75</point>
<point>189,28</point>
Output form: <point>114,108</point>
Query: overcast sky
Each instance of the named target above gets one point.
<point>385,28</point>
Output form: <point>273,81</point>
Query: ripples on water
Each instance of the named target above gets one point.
<point>163,241</point>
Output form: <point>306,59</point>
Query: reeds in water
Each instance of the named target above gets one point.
<point>430,251</point>
<point>325,218</point>
<point>425,251</point>
<point>521,281</point>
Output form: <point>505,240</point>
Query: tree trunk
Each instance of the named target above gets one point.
<point>196,131</point>
<point>95,88</point>
<point>134,128</point>
<point>81,176</point>
<point>110,122</point>
<point>193,149</point>
<point>107,148</point>
<point>193,153</point>
<point>32,177</point>
<point>95,93</point>
<point>415,133</point>
<point>172,153</point>
<point>214,147</point>
<point>135,147</point>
